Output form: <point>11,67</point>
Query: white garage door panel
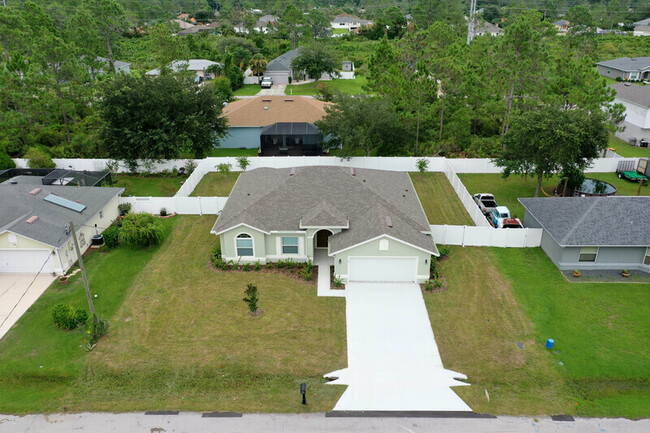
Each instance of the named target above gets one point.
<point>383,269</point>
<point>26,261</point>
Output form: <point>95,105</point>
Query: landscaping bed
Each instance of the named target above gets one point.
<point>439,200</point>
<point>215,184</point>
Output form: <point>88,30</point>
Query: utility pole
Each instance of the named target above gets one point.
<point>83,272</point>
<point>470,22</point>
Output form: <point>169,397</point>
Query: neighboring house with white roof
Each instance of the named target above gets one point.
<point>349,22</point>
<point>266,24</point>
<point>486,28</point>
<point>198,66</point>
<point>626,68</point>
<point>35,235</point>
<point>636,100</point>
<point>120,66</point>
<point>370,222</point>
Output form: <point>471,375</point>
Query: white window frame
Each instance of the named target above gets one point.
<point>646,258</point>
<point>297,245</point>
<point>252,247</point>
<point>588,251</point>
<point>634,75</point>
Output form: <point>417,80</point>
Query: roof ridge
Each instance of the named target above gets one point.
<point>580,220</point>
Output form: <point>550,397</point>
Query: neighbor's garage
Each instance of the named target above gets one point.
<point>384,269</point>
<point>18,261</point>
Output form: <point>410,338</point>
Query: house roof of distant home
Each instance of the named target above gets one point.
<point>190,65</point>
<point>183,24</point>
<point>627,64</point>
<point>346,18</point>
<point>634,93</point>
<point>645,22</point>
<point>189,31</point>
<point>22,201</point>
<point>487,27</point>
<point>267,19</point>
<point>118,63</point>
<point>592,221</point>
<point>372,203</point>
<point>642,29</point>
<point>266,110</point>
<point>561,23</point>
<point>283,63</point>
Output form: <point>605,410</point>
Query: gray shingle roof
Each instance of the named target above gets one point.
<point>645,22</point>
<point>283,62</point>
<point>631,92</point>
<point>593,221</point>
<point>18,205</point>
<point>627,64</point>
<point>273,200</point>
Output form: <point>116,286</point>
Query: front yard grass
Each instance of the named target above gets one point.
<point>351,87</point>
<point>39,363</point>
<point>247,90</point>
<point>183,339</point>
<point>440,202</point>
<point>148,186</point>
<point>498,297</point>
<point>215,184</point>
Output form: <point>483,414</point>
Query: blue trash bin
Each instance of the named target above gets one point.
<point>549,343</point>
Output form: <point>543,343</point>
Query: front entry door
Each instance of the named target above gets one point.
<point>322,238</point>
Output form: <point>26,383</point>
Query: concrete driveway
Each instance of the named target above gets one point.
<point>393,359</point>
<point>276,89</point>
<point>17,293</point>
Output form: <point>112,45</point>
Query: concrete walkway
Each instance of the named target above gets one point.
<point>188,422</point>
<point>324,262</point>
<point>393,359</point>
<point>16,296</point>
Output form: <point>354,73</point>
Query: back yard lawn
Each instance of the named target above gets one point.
<point>498,297</point>
<point>627,151</point>
<point>506,191</point>
<point>222,152</point>
<point>440,202</point>
<point>352,87</point>
<point>215,185</point>
<point>140,186</point>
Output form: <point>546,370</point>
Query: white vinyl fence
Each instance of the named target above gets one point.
<point>465,198</point>
<point>179,205</point>
<point>469,236</point>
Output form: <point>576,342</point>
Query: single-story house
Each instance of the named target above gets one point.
<point>266,23</point>
<point>370,222</point>
<point>626,68</point>
<point>592,233</point>
<point>280,68</point>
<point>486,28</point>
<point>182,24</point>
<point>642,28</point>
<point>636,100</point>
<point>101,66</point>
<point>562,26</point>
<point>248,117</point>
<point>198,66</point>
<point>35,235</point>
<point>349,22</point>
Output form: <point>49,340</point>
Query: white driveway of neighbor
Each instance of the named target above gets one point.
<point>16,296</point>
<point>393,360</point>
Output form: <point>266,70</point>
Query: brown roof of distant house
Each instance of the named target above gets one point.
<point>267,110</point>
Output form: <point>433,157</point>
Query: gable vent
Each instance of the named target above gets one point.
<point>389,222</point>
<point>293,171</point>
<point>32,219</point>
<point>35,191</point>
<point>352,173</point>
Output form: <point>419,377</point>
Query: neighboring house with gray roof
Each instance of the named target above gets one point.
<point>198,66</point>
<point>370,222</point>
<point>280,68</point>
<point>592,233</point>
<point>486,28</point>
<point>35,235</point>
<point>626,68</point>
<point>636,100</point>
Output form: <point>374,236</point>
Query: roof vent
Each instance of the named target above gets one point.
<point>288,100</point>
<point>352,173</point>
<point>389,222</point>
<point>267,100</point>
<point>32,219</point>
<point>293,171</point>
<point>35,191</point>
<point>13,182</point>
<point>266,108</point>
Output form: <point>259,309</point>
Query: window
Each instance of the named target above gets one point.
<point>290,245</point>
<point>646,259</point>
<point>244,244</point>
<point>588,254</point>
<point>634,75</point>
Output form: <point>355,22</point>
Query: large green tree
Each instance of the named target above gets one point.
<point>315,60</point>
<point>163,117</point>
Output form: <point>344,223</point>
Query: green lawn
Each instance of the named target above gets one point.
<point>506,191</point>
<point>440,202</point>
<point>340,31</point>
<point>140,186</point>
<point>627,151</point>
<point>39,363</point>
<point>222,152</point>
<point>352,87</point>
<point>215,185</point>
<point>183,340</point>
<point>247,90</point>
<point>498,297</point>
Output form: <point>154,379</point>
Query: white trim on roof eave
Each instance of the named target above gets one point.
<point>325,227</point>
<point>239,225</point>
<point>32,239</point>
<point>436,253</point>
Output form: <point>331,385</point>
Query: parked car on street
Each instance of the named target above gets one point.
<point>485,202</point>
<point>497,216</point>
<point>266,83</point>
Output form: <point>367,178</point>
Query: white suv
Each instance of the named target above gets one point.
<point>266,83</point>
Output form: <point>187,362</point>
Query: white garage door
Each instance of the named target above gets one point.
<point>402,269</point>
<point>26,261</point>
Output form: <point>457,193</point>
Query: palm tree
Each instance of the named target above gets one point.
<point>258,65</point>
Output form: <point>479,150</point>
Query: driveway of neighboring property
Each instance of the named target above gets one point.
<point>276,89</point>
<point>393,360</point>
<point>17,293</point>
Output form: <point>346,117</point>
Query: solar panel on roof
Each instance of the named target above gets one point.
<point>64,202</point>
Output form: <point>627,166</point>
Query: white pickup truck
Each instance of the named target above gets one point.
<point>485,202</point>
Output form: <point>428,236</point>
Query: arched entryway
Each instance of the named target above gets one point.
<point>321,239</point>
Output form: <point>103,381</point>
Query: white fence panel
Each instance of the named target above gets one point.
<point>486,236</point>
<point>179,205</point>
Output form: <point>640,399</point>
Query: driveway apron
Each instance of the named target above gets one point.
<point>393,359</point>
<point>17,293</point>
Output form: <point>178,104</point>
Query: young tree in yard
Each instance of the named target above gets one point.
<point>315,61</point>
<point>251,298</point>
<point>549,140</point>
<point>163,117</point>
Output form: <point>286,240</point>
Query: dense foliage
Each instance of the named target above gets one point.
<point>141,230</point>
<point>68,317</point>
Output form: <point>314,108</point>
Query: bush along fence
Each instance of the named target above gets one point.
<point>301,270</point>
